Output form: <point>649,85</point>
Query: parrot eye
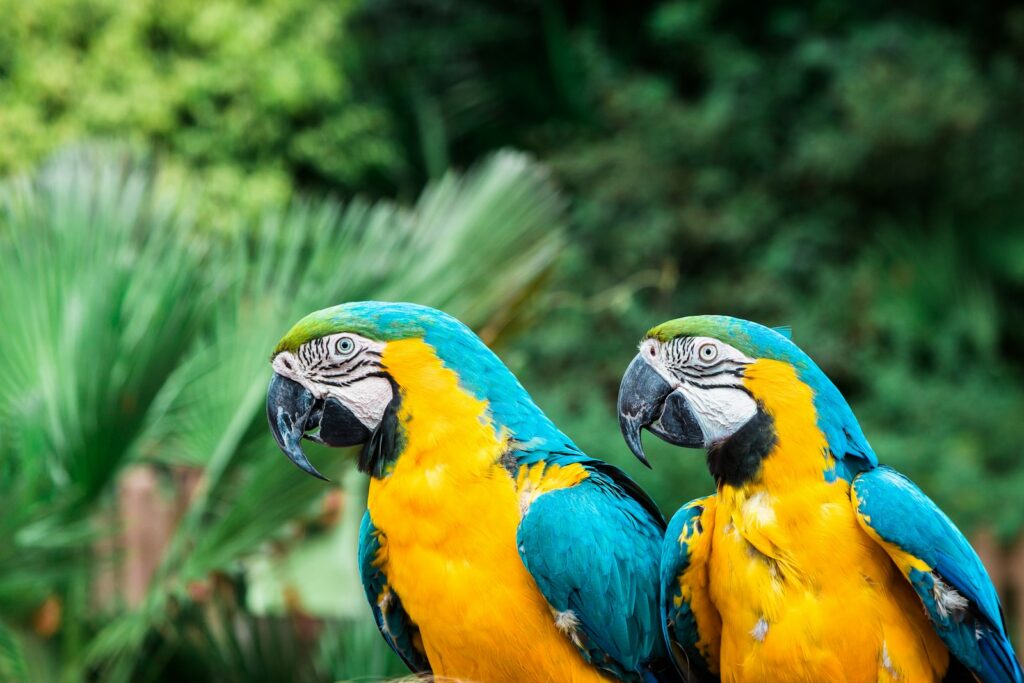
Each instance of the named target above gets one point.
<point>344,346</point>
<point>708,352</point>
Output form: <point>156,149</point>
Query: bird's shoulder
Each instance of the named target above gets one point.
<point>544,469</point>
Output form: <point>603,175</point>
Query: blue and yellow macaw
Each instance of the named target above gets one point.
<point>492,549</point>
<point>810,562</point>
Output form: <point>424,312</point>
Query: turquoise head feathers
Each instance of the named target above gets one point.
<point>480,372</point>
<point>846,440</point>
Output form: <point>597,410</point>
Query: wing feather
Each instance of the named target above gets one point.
<point>943,569</point>
<point>691,626</point>
<point>593,551</point>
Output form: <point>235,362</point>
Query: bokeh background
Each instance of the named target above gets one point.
<point>185,178</point>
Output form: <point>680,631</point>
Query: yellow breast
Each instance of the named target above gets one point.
<point>449,511</point>
<point>803,593</point>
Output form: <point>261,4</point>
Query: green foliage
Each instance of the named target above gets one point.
<point>12,659</point>
<point>851,171</point>
<point>254,94</point>
<point>132,336</point>
<point>97,314</point>
<point>219,641</point>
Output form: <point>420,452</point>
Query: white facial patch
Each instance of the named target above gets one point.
<point>344,366</point>
<point>708,374</point>
<point>719,411</point>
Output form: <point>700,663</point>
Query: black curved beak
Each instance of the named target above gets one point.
<point>646,400</point>
<point>294,414</point>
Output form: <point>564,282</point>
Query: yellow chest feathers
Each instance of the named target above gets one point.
<point>803,593</point>
<point>449,511</point>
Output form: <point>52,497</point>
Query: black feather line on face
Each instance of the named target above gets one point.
<point>709,367</point>
<point>348,367</point>
<point>386,442</point>
<point>685,375</point>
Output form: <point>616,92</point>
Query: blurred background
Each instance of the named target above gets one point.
<point>183,179</point>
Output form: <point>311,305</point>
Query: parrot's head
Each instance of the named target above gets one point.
<point>731,386</point>
<point>359,373</point>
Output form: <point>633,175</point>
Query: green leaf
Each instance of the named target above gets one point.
<point>13,666</point>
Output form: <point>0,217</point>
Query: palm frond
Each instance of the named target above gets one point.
<point>13,666</point>
<point>99,299</point>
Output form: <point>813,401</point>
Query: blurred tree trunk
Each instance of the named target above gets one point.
<point>146,515</point>
<point>147,522</point>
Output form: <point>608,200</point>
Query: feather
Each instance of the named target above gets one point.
<point>944,570</point>
<point>593,551</point>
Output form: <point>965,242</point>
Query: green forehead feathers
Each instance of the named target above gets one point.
<point>375,320</point>
<point>751,338</point>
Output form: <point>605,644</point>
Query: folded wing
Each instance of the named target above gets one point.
<point>943,569</point>
<point>593,550</point>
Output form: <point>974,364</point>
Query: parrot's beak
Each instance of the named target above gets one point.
<point>294,413</point>
<point>646,400</point>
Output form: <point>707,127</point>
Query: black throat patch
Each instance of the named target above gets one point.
<point>387,440</point>
<point>737,460</point>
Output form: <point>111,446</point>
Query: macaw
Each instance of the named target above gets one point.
<point>492,548</point>
<point>811,562</point>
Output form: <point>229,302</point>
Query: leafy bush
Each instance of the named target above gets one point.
<point>253,94</point>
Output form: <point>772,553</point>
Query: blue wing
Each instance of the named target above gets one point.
<point>689,622</point>
<point>593,551</point>
<point>395,625</point>
<point>943,569</point>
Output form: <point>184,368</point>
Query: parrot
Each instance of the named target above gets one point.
<point>492,548</point>
<point>810,562</point>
